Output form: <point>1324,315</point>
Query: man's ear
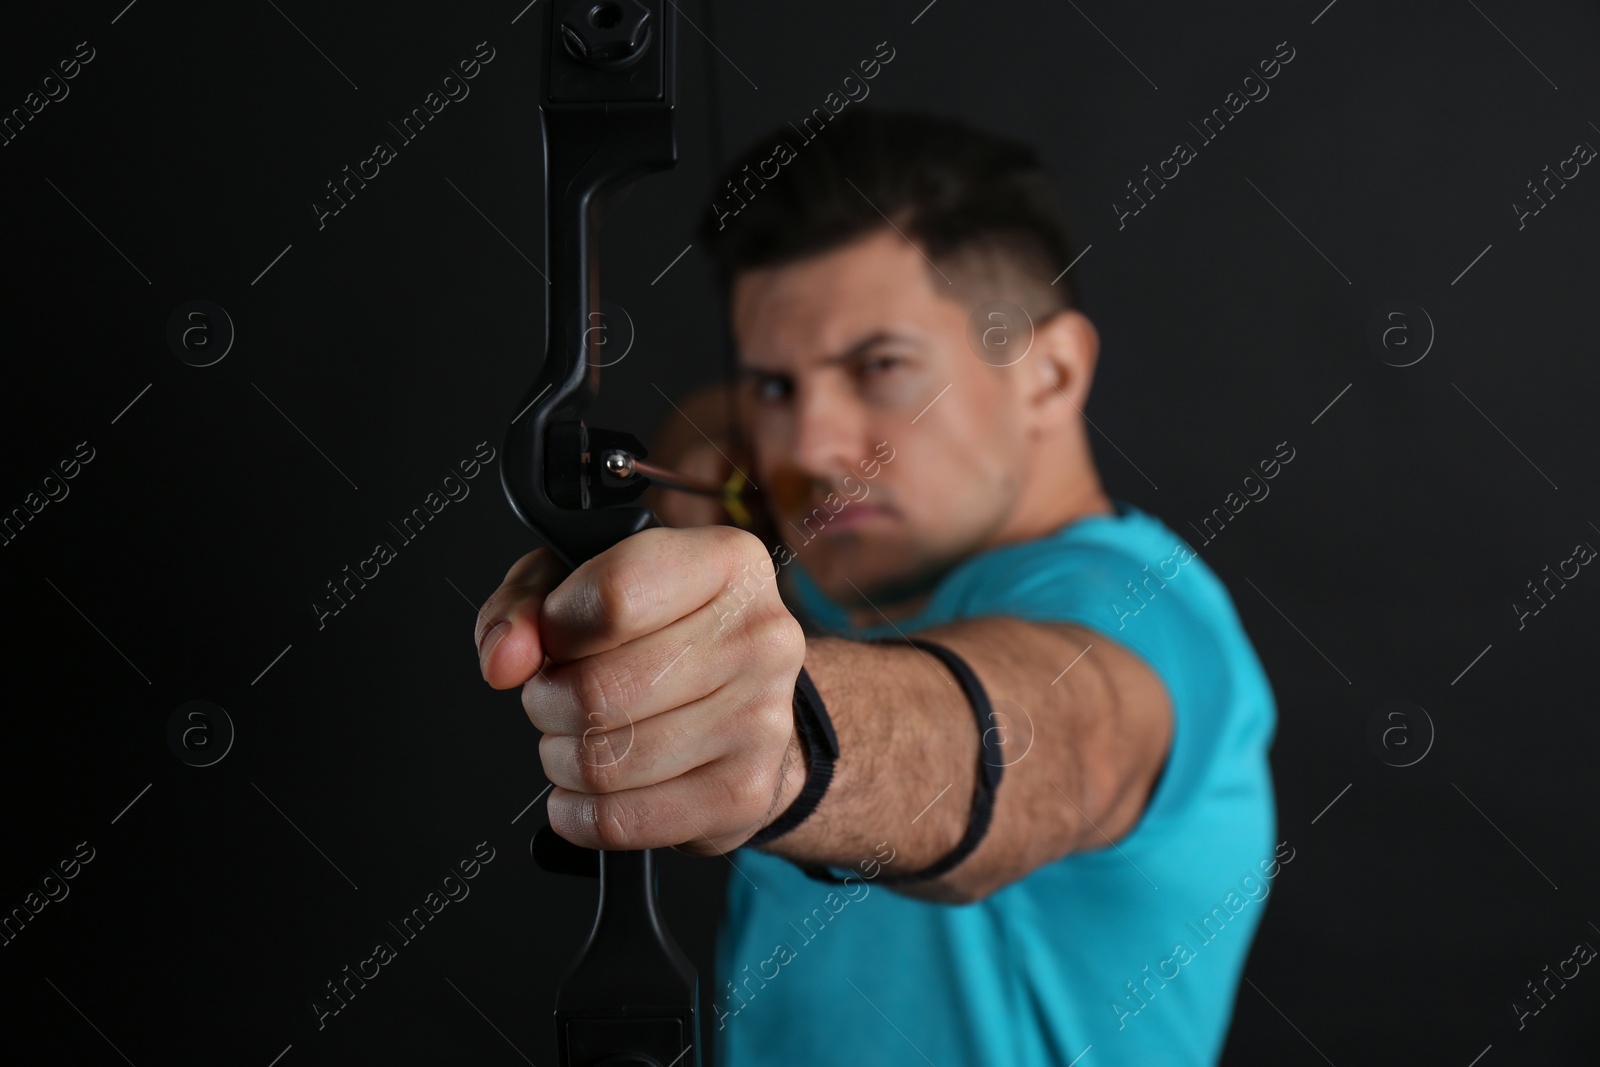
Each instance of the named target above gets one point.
<point>1059,368</point>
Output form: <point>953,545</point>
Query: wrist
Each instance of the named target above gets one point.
<point>807,767</point>
<point>792,774</point>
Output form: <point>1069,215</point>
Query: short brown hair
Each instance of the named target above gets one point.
<point>960,192</point>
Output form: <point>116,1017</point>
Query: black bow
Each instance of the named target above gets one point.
<point>606,111</point>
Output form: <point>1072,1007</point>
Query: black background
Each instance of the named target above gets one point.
<point>401,334</point>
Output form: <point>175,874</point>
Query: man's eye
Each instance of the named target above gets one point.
<point>772,388</point>
<point>880,364</point>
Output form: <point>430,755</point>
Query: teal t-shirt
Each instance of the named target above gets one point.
<point>1136,950</point>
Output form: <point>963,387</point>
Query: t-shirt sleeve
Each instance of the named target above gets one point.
<point>1170,627</point>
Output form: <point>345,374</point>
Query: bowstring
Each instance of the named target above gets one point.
<point>714,147</point>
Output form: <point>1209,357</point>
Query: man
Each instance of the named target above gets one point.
<point>926,471</point>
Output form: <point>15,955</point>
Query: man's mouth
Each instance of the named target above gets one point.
<point>820,522</point>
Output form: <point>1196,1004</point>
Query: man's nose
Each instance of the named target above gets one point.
<point>828,435</point>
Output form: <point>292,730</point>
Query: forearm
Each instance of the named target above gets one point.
<point>907,764</point>
<point>1079,756</point>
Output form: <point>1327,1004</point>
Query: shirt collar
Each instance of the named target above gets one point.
<point>831,617</point>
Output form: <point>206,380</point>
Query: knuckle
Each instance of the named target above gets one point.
<point>777,716</point>
<point>619,596</point>
<point>610,823</point>
<point>605,598</point>
<point>778,636</point>
<point>771,724</point>
<point>601,693</point>
<point>596,766</point>
<point>738,546</point>
<point>673,744</point>
<point>747,789</point>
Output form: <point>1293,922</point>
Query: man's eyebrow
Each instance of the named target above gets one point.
<point>849,355</point>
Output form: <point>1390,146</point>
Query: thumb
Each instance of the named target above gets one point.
<point>510,650</point>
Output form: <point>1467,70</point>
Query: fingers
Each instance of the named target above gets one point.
<point>668,669</point>
<point>638,754</point>
<point>661,673</point>
<point>640,585</point>
<point>507,631</point>
<point>699,813</point>
<point>700,778</point>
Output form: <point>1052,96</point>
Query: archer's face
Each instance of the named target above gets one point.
<point>857,380</point>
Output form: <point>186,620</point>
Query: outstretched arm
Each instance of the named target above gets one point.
<point>667,718</point>
<point>1084,728</point>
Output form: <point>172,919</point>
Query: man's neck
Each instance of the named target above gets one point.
<point>861,618</point>
<point>1090,502</point>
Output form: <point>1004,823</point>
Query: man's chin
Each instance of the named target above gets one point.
<point>853,569</point>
